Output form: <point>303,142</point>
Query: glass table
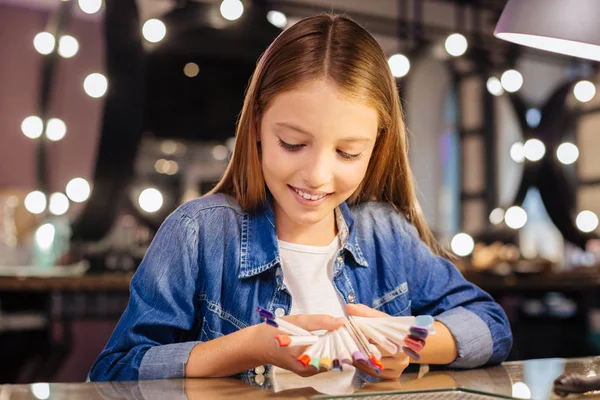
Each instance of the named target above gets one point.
<point>530,379</point>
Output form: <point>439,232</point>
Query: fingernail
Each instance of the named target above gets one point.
<point>338,320</point>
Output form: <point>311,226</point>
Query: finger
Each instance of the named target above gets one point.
<point>393,372</point>
<point>304,371</point>
<point>396,363</point>
<point>316,322</point>
<point>365,368</point>
<point>360,310</point>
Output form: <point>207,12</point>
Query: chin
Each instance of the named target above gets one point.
<point>308,218</point>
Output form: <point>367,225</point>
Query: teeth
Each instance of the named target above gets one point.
<point>308,196</point>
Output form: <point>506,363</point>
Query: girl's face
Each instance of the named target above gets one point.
<point>316,147</point>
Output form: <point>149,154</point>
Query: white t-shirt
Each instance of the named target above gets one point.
<point>308,275</point>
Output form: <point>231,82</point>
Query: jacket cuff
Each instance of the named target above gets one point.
<point>472,335</point>
<point>166,361</point>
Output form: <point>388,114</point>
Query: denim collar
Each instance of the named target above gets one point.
<point>260,250</point>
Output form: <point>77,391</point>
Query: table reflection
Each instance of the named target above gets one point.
<point>528,379</point>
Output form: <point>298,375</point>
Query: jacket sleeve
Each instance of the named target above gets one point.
<point>149,340</point>
<point>478,324</point>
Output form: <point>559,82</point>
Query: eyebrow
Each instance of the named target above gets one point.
<point>351,139</point>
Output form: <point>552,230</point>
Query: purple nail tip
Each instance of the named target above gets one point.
<point>419,332</point>
<point>265,313</point>
<point>359,357</point>
<point>272,323</point>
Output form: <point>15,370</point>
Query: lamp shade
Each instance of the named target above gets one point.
<point>570,27</point>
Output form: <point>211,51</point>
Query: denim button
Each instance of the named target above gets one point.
<point>280,312</point>
<point>259,370</point>
<point>278,272</point>
<point>340,259</point>
<point>351,298</point>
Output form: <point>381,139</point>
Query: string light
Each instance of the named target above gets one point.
<point>497,216</point>
<point>567,153</point>
<point>584,91</point>
<point>517,154</point>
<point>515,217</point>
<point>154,30</point>
<point>59,204</point>
<point>456,44</point>
<point>231,9</point>
<point>534,149</point>
<point>35,202</point>
<point>277,18</point>
<point>494,86</point>
<point>511,80</point>
<point>586,221</point>
<point>90,6</point>
<point>44,43</point>
<point>150,200</point>
<point>56,129</point>
<point>78,190</point>
<point>399,64</point>
<point>68,46</point>
<point>462,244</point>
<point>32,127</point>
<point>95,85</point>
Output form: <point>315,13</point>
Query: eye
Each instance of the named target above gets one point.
<point>348,156</point>
<point>290,147</point>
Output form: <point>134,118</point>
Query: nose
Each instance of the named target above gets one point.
<point>318,172</point>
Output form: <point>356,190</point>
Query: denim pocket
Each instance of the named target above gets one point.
<point>396,302</point>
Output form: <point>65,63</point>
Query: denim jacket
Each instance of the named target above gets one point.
<point>211,264</point>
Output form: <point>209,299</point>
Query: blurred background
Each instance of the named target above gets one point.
<point>115,112</point>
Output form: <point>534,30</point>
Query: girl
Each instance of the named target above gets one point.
<point>315,217</point>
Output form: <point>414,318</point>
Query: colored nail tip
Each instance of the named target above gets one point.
<point>417,340</point>
<point>358,356</point>
<point>420,332</point>
<point>304,359</point>
<point>410,353</point>
<point>326,363</point>
<point>272,323</point>
<point>414,347</point>
<point>424,321</point>
<point>315,362</point>
<point>264,312</point>
<point>377,364</point>
<point>283,340</point>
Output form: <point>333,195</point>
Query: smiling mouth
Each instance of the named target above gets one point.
<point>308,196</point>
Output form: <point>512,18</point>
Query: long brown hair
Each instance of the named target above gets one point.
<point>336,48</point>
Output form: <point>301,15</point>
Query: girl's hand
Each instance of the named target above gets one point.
<point>286,357</point>
<point>394,364</point>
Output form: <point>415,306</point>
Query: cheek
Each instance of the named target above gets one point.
<point>352,175</point>
<point>275,163</point>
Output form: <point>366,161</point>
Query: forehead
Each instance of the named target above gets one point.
<point>319,106</point>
